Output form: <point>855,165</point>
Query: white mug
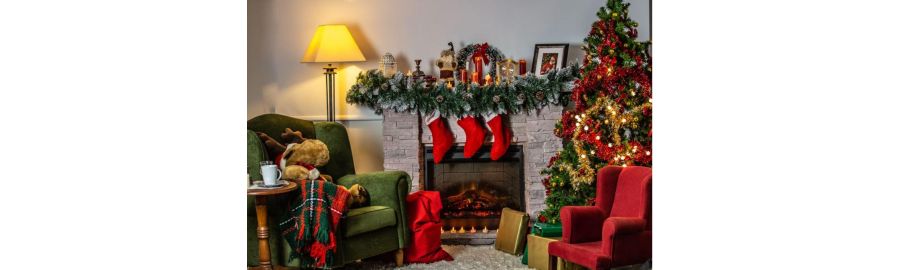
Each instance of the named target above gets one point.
<point>270,174</point>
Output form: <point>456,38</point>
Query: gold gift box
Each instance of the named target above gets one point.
<point>511,234</point>
<point>538,257</point>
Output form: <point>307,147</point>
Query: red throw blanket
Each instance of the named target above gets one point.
<point>311,221</point>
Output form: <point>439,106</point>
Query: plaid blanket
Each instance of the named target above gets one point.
<point>311,221</point>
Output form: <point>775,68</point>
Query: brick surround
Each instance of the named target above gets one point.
<point>404,136</point>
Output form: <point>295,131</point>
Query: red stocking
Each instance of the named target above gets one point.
<point>502,135</point>
<point>474,135</point>
<point>441,134</point>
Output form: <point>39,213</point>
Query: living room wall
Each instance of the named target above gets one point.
<point>280,30</point>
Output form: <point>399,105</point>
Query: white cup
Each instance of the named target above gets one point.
<point>270,174</point>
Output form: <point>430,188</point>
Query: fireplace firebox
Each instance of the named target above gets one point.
<point>475,190</point>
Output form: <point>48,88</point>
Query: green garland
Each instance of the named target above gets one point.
<point>401,93</point>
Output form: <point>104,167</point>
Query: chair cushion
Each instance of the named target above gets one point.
<point>369,218</point>
<point>585,254</point>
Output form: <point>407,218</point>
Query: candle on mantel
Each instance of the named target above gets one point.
<point>475,77</point>
<point>499,72</point>
<point>479,68</point>
<point>442,229</point>
<point>485,230</point>
<point>487,79</point>
<point>522,67</point>
<point>464,75</point>
<point>472,230</point>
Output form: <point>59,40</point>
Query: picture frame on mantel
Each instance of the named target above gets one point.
<point>548,57</point>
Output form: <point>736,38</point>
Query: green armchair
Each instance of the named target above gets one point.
<point>364,232</point>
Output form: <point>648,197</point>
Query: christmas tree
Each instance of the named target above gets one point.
<point>611,120</point>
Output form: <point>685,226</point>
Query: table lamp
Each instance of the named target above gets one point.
<point>332,43</point>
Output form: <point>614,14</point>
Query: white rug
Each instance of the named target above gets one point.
<point>464,257</point>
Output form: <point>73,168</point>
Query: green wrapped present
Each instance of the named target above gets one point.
<point>525,256</point>
<point>547,230</point>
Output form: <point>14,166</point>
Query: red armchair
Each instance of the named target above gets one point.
<point>615,231</point>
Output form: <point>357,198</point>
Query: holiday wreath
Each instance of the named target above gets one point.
<point>485,51</point>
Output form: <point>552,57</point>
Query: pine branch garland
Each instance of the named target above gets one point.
<point>403,94</point>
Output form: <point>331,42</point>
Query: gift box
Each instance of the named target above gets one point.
<point>547,230</point>
<point>511,234</point>
<point>538,257</point>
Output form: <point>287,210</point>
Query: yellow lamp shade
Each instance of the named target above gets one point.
<point>333,43</point>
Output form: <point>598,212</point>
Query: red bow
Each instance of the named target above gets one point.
<point>481,50</point>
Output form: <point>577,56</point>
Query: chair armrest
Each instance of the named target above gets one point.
<point>581,223</point>
<point>388,188</point>
<point>615,226</point>
<point>627,239</point>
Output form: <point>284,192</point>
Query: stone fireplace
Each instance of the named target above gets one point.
<point>475,190</point>
<point>471,188</point>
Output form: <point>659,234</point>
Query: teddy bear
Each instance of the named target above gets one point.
<point>299,159</point>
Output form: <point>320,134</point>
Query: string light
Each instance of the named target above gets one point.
<point>585,128</point>
<point>597,138</point>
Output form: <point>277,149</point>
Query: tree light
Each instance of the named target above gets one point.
<point>609,145</point>
<point>598,137</point>
<point>583,156</point>
<point>592,152</point>
<point>648,153</point>
<point>585,128</point>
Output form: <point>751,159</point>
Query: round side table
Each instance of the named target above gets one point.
<point>262,229</point>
